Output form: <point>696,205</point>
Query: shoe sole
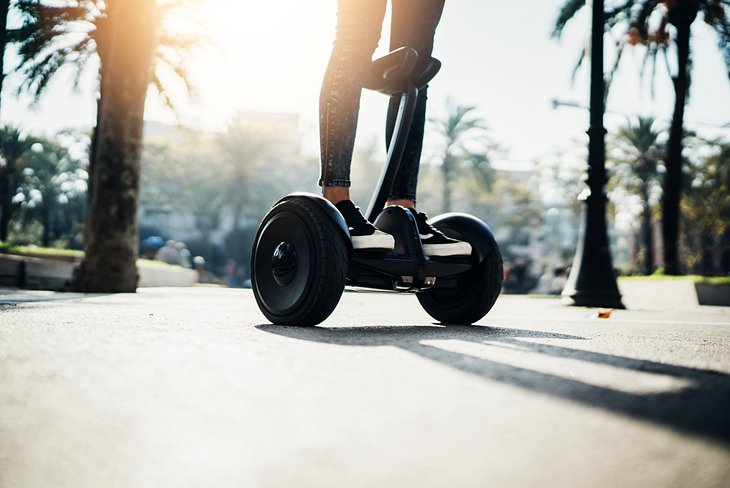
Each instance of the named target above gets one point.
<point>383,241</point>
<point>447,250</point>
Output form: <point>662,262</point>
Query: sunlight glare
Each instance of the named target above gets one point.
<point>257,51</point>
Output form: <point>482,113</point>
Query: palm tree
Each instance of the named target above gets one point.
<point>135,49</point>
<point>706,234</point>
<point>111,238</point>
<point>14,148</point>
<point>636,164</point>
<point>256,168</point>
<point>53,35</point>
<point>463,147</point>
<point>73,33</point>
<point>646,22</point>
<point>4,40</point>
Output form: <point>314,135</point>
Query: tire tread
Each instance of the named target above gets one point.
<point>331,266</point>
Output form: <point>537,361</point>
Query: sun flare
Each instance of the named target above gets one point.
<point>257,51</point>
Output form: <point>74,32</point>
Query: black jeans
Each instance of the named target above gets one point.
<point>359,23</point>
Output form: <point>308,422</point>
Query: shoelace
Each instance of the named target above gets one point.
<point>355,218</point>
<point>425,228</point>
<point>358,217</point>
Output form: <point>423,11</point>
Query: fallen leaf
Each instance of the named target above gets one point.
<point>604,313</point>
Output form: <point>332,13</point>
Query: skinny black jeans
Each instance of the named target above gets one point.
<point>359,23</point>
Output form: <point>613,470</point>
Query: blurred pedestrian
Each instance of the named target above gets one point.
<point>231,272</point>
<point>185,257</point>
<point>199,265</point>
<point>168,253</point>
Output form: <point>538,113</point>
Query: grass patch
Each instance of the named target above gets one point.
<point>652,278</point>
<point>712,280</point>
<point>7,248</point>
<point>41,252</point>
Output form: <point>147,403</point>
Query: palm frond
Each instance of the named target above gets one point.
<point>53,34</point>
<point>721,24</point>
<point>85,52</point>
<point>159,87</point>
<point>171,62</point>
<point>649,59</point>
<point>45,27</point>
<point>567,12</point>
<point>614,68</point>
<point>177,41</point>
<point>577,66</point>
<point>619,14</point>
<point>38,74</point>
<point>481,170</point>
<point>640,19</point>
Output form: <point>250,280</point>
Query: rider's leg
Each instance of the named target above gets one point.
<point>359,23</point>
<point>413,24</point>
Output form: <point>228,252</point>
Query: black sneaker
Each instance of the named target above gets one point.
<point>435,243</point>
<point>363,234</point>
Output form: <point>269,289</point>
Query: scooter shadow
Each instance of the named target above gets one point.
<point>698,408</point>
<point>404,334</point>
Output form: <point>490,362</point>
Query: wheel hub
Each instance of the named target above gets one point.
<point>284,263</point>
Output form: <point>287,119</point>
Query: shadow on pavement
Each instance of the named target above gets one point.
<point>699,408</point>
<point>17,297</point>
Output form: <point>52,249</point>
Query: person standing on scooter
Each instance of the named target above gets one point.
<point>359,23</point>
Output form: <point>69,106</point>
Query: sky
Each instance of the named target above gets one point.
<point>270,56</point>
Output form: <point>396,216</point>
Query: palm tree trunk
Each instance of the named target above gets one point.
<point>46,223</point>
<point>647,231</point>
<point>673,178</point>
<point>6,181</point>
<point>447,168</point>
<point>103,63</point>
<point>4,7</point>
<point>6,199</point>
<point>93,146</point>
<point>109,264</point>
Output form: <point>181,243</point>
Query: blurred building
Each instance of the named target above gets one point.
<point>158,215</point>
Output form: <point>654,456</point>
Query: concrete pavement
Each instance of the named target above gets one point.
<point>192,387</point>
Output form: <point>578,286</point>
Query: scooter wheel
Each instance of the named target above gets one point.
<point>298,264</point>
<point>473,297</point>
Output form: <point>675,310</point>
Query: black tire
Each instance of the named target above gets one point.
<point>475,295</point>
<point>298,264</point>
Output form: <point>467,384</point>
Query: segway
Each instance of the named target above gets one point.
<point>302,256</point>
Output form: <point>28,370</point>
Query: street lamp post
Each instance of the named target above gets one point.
<point>592,282</point>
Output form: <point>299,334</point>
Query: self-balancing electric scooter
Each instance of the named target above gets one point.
<point>302,256</point>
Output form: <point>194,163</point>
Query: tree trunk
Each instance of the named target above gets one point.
<point>102,51</point>
<point>673,177</point>
<point>6,198</point>
<point>647,232</point>
<point>93,146</point>
<point>6,180</point>
<point>109,264</point>
<point>46,223</point>
<point>447,170</point>
<point>4,7</point>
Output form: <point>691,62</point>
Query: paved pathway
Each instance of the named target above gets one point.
<point>192,388</point>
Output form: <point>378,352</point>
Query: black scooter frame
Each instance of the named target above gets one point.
<point>303,257</point>
<point>406,268</point>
